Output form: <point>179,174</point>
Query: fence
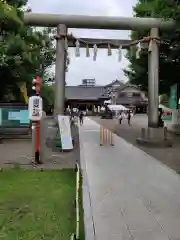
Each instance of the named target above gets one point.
<point>76,235</point>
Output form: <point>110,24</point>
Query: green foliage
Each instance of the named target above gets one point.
<point>8,14</point>
<point>47,94</point>
<point>25,51</point>
<point>169,49</point>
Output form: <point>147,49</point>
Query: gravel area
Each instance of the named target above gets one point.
<point>19,152</point>
<point>168,156</point>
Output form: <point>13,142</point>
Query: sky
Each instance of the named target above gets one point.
<point>106,68</point>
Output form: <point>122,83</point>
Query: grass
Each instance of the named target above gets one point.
<point>37,205</point>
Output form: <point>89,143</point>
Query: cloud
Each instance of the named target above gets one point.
<point>105,69</point>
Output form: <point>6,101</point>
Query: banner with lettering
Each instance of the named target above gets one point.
<point>65,132</point>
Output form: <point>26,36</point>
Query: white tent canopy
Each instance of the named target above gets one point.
<point>107,101</point>
<point>117,108</point>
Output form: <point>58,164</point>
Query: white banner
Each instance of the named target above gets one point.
<point>65,132</point>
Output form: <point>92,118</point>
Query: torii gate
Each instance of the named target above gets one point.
<point>63,22</point>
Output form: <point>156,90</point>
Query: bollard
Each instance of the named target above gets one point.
<point>101,136</point>
<point>111,139</point>
<point>165,133</point>
<point>106,137</point>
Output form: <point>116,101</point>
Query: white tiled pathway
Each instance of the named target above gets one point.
<point>133,196</point>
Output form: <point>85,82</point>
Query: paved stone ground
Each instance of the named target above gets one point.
<point>19,152</point>
<point>133,196</point>
<point>168,156</point>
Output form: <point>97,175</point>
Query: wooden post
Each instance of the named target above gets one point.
<point>101,136</point>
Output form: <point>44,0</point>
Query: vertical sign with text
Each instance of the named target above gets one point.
<point>35,108</point>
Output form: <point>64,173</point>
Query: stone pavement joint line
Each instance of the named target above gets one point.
<point>131,195</point>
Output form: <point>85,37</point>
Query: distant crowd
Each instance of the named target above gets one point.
<point>124,115</point>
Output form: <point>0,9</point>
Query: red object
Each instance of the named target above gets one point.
<point>37,136</point>
<point>38,80</point>
<point>37,131</point>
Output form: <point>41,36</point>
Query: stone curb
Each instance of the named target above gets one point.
<point>154,143</point>
<point>88,216</point>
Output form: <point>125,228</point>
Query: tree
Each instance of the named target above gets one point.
<point>47,94</point>
<point>25,51</point>
<point>169,48</point>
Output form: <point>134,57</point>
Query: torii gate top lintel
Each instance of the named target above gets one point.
<point>63,22</point>
<point>96,22</point>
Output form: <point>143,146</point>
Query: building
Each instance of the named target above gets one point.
<point>132,97</point>
<point>88,94</point>
<point>88,82</point>
<point>85,97</point>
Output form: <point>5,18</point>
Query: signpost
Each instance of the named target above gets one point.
<point>35,108</point>
<point>35,114</point>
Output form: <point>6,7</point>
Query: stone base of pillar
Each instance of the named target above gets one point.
<point>154,138</point>
<point>174,128</point>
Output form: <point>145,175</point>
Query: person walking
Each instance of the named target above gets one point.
<point>120,117</point>
<point>129,118</point>
<point>81,117</point>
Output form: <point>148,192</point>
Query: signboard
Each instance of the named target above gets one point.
<point>35,108</point>
<point>65,132</point>
<point>24,118</point>
<point>13,116</point>
<point>173,97</point>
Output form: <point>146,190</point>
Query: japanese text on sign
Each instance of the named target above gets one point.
<point>35,108</point>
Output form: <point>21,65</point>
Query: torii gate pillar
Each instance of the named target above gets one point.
<point>153,82</point>
<point>60,70</point>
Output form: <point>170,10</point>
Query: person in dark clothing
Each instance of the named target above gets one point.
<point>81,117</point>
<point>160,121</point>
<point>129,118</point>
<point>120,118</point>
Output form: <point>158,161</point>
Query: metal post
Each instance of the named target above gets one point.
<point>153,82</point>
<point>33,135</point>
<point>37,145</point>
<point>60,70</point>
